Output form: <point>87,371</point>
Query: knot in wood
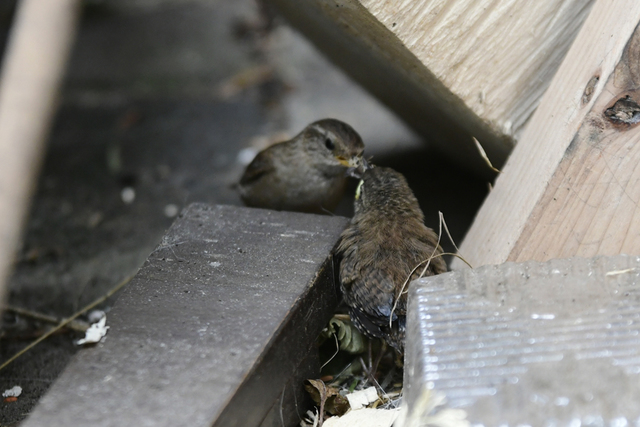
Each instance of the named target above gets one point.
<point>625,110</point>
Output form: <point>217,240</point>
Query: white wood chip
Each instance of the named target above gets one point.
<point>366,417</point>
<point>361,398</point>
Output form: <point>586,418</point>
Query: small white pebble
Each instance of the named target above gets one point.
<point>128,195</point>
<point>13,392</point>
<point>246,155</point>
<point>215,264</point>
<point>95,332</point>
<point>171,210</point>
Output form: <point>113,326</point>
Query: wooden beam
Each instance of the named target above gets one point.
<point>218,328</point>
<point>34,62</point>
<point>572,185</point>
<point>452,69</point>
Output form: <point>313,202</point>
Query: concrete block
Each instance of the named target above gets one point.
<point>217,327</point>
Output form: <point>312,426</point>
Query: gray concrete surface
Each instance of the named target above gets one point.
<point>147,106</point>
<point>212,330</point>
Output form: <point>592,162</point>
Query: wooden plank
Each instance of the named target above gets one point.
<point>572,185</point>
<point>451,69</point>
<point>34,62</point>
<point>218,328</point>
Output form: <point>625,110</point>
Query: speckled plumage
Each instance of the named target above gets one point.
<point>306,173</point>
<point>386,239</point>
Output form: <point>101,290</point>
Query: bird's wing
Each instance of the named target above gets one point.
<point>372,291</point>
<point>373,327</point>
<point>347,257</point>
<point>437,264</point>
<point>260,166</point>
<point>369,325</point>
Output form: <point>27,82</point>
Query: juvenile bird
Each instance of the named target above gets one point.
<point>307,173</point>
<point>378,252</point>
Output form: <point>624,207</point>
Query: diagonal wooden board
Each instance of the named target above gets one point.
<point>572,185</point>
<point>452,69</point>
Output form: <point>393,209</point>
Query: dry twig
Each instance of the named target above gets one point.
<point>76,325</point>
<point>68,320</point>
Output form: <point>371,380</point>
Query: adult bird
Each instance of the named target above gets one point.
<point>307,173</point>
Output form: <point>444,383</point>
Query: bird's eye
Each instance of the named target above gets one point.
<point>329,144</point>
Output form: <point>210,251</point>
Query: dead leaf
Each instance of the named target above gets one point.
<point>334,403</point>
<point>349,337</point>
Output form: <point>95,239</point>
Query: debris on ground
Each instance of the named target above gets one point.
<point>350,339</point>
<point>96,332</point>
<point>361,398</point>
<point>348,383</point>
<point>15,391</point>
<point>365,417</point>
<point>361,385</point>
<point>430,410</point>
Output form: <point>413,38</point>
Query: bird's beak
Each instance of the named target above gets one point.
<point>344,162</point>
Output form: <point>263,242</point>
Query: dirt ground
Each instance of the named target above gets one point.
<point>160,99</point>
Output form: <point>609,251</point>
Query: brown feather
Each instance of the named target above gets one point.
<point>385,241</point>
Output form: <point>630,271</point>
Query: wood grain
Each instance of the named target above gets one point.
<point>572,184</point>
<point>452,69</point>
<point>497,56</point>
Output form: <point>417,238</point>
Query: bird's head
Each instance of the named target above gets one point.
<point>334,143</point>
<point>385,192</point>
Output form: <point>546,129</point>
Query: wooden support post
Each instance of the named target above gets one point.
<point>34,62</point>
<point>452,69</point>
<point>572,185</point>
